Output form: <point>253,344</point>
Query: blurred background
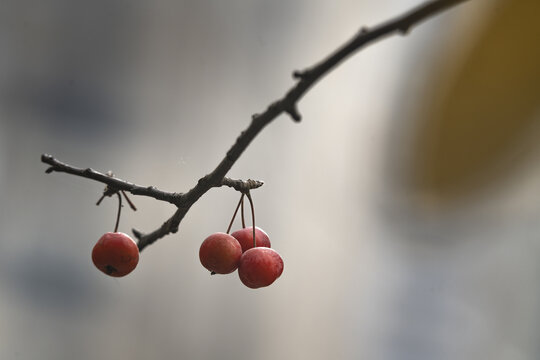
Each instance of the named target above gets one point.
<point>405,205</point>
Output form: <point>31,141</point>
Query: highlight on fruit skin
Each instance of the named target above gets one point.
<point>260,267</point>
<point>220,253</point>
<point>115,254</point>
<point>245,237</point>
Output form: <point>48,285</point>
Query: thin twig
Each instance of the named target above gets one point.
<point>131,204</point>
<point>113,183</point>
<point>288,104</point>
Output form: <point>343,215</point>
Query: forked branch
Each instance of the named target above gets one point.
<point>288,104</point>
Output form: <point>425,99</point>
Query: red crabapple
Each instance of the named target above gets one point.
<point>115,254</point>
<point>245,237</point>
<point>220,253</point>
<point>259,267</point>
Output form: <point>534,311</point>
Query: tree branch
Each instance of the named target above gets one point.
<point>114,184</point>
<point>288,104</point>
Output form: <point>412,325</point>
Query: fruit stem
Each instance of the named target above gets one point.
<point>131,204</point>
<point>100,199</point>
<point>243,218</point>
<point>252,217</point>
<point>241,202</point>
<point>119,211</point>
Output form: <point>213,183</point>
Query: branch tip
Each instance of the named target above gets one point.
<point>242,186</point>
<point>46,157</point>
<point>100,199</point>
<point>294,114</point>
<point>301,74</point>
<point>137,233</point>
<point>254,184</point>
<point>297,74</point>
<point>49,170</point>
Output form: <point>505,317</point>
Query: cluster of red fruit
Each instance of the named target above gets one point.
<point>248,250</point>
<point>258,265</point>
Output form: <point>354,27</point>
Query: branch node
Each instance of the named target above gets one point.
<point>254,117</point>
<point>229,156</point>
<point>201,180</point>
<point>293,113</point>
<point>109,191</point>
<point>274,106</point>
<point>404,30</point>
<point>300,74</point>
<point>364,30</point>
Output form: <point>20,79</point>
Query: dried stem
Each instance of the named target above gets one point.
<point>288,104</point>
<point>235,212</point>
<point>131,204</point>
<point>118,212</point>
<point>243,218</point>
<point>248,195</point>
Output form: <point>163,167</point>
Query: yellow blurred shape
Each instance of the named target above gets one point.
<point>478,115</point>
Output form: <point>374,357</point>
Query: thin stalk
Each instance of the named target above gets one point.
<point>243,218</point>
<point>131,204</point>
<point>119,211</point>
<point>235,212</point>
<point>252,217</point>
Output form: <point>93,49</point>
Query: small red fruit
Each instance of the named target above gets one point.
<point>245,237</point>
<point>115,254</point>
<point>220,253</point>
<point>260,267</point>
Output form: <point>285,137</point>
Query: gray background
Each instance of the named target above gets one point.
<point>157,92</point>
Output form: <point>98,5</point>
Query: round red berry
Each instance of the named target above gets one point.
<point>259,267</point>
<point>220,253</point>
<point>245,237</point>
<point>115,254</point>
